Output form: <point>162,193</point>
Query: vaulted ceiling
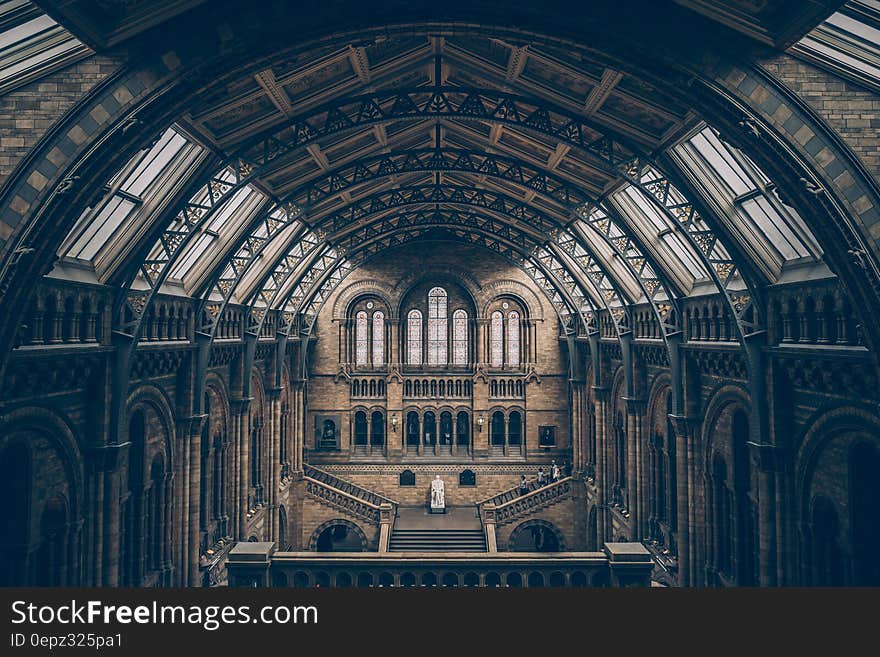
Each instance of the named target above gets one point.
<point>521,145</point>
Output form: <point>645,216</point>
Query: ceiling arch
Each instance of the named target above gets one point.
<point>478,59</point>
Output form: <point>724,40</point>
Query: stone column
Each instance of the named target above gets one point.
<point>105,462</point>
<point>241,414</point>
<point>682,426</point>
<point>273,458</point>
<point>635,413</point>
<point>386,525</point>
<point>195,490</point>
<point>601,396</point>
<point>768,459</point>
<point>489,526</point>
<point>393,346</point>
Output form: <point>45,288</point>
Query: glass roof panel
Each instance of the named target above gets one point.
<point>32,44</point>
<point>141,186</point>
<point>848,43</point>
<point>744,198</point>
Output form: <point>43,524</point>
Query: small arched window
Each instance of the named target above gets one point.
<point>496,338</point>
<point>437,336</point>
<point>513,339</point>
<point>459,337</point>
<point>378,338</point>
<point>360,339</point>
<point>414,338</point>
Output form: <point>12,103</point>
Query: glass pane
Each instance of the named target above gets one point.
<point>378,338</point>
<point>102,227</point>
<point>437,337</point>
<point>414,338</point>
<point>154,162</point>
<point>513,339</point>
<point>360,357</point>
<point>497,339</point>
<point>459,337</point>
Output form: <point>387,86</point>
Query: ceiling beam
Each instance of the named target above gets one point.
<point>360,63</point>
<point>601,91</point>
<point>277,94</point>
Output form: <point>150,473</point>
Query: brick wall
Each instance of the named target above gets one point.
<point>28,112</point>
<point>852,110</point>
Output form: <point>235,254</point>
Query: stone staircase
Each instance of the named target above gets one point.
<point>334,482</point>
<point>457,530</point>
<point>438,540</point>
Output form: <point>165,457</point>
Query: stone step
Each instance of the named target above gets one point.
<point>438,540</point>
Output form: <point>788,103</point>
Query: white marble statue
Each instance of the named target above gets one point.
<point>438,493</point>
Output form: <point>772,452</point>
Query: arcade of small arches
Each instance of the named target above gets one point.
<point>256,286</point>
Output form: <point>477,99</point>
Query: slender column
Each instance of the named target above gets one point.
<point>769,459</point>
<point>682,426</point>
<point>635,412</point>
<point>195,489</point>
<point>601,396</point>
<point>241,412</point>
<point>274,458</point>
<point>105,463</point>
<point>183,493</point>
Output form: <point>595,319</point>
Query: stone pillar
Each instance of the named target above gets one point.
<point>273,459</point>
<point>195,489</point>
<point>768,459</point>
<point>635,479</point>
<point>601,396</point>
<point>241,415</point>
<point>682,426</point>
<point>630,564</point>
<point>393,346</point>
<point>386,525</point>
<point>182,494</point>
<point>488,511</point>
<point>105,462</point>
<point>248,564</point>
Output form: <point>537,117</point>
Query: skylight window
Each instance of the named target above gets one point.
<point>142,184</point>
<point>745,198</point>
<point>32,44</point>
<point>848,43</point>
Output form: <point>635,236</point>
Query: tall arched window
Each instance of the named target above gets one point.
<point>414,338</point>
<point>360,339</point>
<point>378,338</point>
<point>459,337</point>
<point>513,339</point>
<point>437,336</point>
<point>496,337</point>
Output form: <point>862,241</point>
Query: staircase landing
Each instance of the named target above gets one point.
<point>456,517</point>
<point>457,530</point>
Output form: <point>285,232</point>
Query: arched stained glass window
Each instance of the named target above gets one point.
<point>378,338</point>
<point>459,338</point>
<point>513,339</point>
<point>414,338</point>
<point>496,337</point>
<point>437,336</point>
<point>360,339</point>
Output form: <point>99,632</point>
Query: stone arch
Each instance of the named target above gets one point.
<point>523,533</point>
<point>43,481</point>
<point>350,294</point>
<point>727,91</point>
<point>352,527</point>
<point>719,399</point>
<point>154,399</point>
<point>831,439</point>
<point>526,297</point>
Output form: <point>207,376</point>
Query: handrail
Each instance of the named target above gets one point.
<point>353,490</point>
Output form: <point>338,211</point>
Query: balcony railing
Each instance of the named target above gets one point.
<point>619,564</point>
